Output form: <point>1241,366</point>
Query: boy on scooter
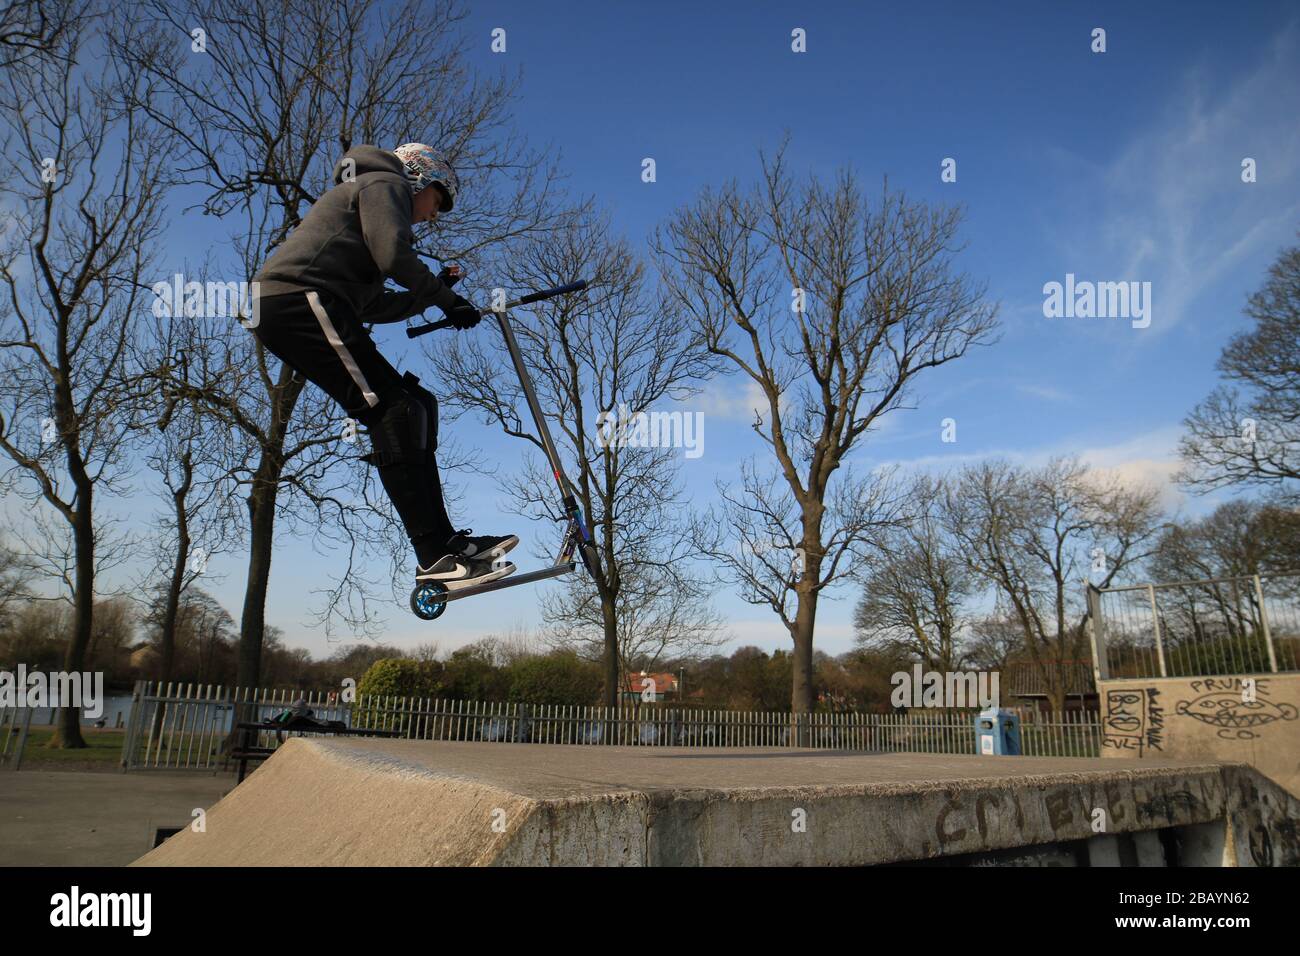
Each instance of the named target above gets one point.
<point>320,289</point>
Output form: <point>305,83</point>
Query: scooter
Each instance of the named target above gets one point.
<point>429,599</point>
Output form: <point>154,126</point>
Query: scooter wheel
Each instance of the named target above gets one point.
<point>426,601</point>
<point>588,554</point>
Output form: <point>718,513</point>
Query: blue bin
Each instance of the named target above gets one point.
<point>997,732</point>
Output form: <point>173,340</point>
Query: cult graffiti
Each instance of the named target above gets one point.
<point>1134,720</point>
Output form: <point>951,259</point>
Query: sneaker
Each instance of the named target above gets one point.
<point>480,548</point>
<point>455,572</point>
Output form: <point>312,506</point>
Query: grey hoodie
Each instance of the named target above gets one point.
<point>355,235</point>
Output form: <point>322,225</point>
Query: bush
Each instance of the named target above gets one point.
<point>470,674</point>
<point>399,677</point>
<point>561,678</point>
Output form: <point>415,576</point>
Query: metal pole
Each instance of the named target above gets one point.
<point>1155,624</point>
<point>1263,621</point>
<point>1097,635</point>
<point>544,433</point>
<point>22,737</point>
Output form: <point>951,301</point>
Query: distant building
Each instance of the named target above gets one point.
<point>1024,679</point>
<point>641,685</point>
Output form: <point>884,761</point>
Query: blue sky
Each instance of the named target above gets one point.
<point>1116,166</point>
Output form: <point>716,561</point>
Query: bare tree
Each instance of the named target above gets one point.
<point>192,454</point>
<point>597,360</point>
<point>87,181</point>
<point>259,125</point>
<point>15,582</point>
<point>995,639</point>
<point>914,595</point>
<point>1210,556</point>
<point>37,28</point>
<point>831,306</point>
<point>1036,535</point>
<point>1248,431</point>
<point>1238,538</point>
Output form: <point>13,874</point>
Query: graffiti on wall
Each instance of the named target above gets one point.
<point>1135,720</point>
<point>1237,708</point>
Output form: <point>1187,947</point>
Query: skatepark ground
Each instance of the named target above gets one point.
<point>80,818</point>
<point>322,801</point>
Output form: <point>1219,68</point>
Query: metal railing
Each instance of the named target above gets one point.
<point>1239,625</point>
<point>188,727</point>
<point>15,725</point>
<point>191,726</point>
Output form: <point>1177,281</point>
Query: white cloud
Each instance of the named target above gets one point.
<point>1150,458</point>
<point>1170,207</point>
<point>734,397</point>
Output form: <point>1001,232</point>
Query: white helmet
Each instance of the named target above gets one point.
<point>425,166</point>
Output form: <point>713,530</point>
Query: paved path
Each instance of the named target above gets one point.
<point>69,818</point>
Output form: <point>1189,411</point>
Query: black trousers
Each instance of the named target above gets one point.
<point>319,336</point>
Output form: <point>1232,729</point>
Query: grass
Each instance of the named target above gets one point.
<point>103,750</point>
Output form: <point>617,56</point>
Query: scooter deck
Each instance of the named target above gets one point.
<point>510,581</point>
<point>426,602</point>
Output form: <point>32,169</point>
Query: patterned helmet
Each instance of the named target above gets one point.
<point>425,166</point>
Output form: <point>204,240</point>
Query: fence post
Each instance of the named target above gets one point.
<point>22,737</point>
<point>1155,625</point>
<point>522,729</point>
<point>1097,634</point>
<point>1263,621</point>
<point>133,725</point>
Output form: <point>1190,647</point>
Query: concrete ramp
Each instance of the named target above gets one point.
<point>374,802</point>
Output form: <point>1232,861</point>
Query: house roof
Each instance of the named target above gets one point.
<point>663,682</point>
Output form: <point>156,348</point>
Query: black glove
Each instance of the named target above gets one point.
<point>450,275</point>
<point>463,315</point>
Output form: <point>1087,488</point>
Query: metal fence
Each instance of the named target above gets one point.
<point>190,726</point>
<point>1240,625</point>
<point>187,727</point>
<point>15,725</point>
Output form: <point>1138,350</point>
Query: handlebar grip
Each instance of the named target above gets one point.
<point>558,290</point>
<point>427,328</point>
<point>531,297</point>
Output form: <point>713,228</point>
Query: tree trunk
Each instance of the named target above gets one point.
<point>261,514</point>
<point>612,676</point>
<point>252,624</point>
<point>801,691</point>
<point>171,609</point>
<point>67,732</point>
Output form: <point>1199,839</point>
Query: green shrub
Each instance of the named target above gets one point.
<point>392,677</point>
<point>470,674</point>
<point>560,678</point>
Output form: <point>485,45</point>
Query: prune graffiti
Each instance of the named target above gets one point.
<point>1234,714</point>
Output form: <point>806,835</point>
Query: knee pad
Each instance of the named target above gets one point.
<point>406,432</point>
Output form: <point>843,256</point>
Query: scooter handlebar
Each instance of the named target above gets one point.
<point>550,293</point>
<point>525,300</point>
<point>427,328</point>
